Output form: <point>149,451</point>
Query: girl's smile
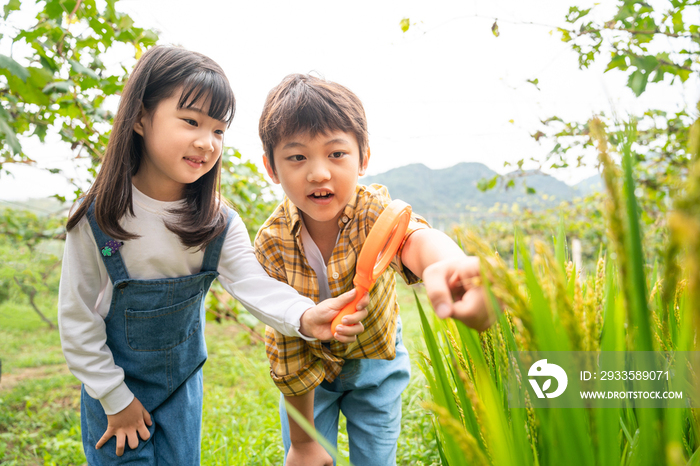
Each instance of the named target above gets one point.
<point>195,162</point>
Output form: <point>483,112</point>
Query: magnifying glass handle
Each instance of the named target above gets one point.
<point>348,309</point>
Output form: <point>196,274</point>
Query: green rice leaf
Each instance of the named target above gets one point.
<point>547,337</point>
<point>636,286</point>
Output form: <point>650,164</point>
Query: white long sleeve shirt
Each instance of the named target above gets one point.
<point>85,291</point>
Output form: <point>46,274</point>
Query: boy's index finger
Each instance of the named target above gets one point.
<point>437,286</point>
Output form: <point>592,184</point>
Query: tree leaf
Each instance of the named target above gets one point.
<point>638,82</point>
<point>12,5</point>
<point>405,24</point>
<point>494,29</point>
<point>79,68</point>
<point>10,136</point>
<point>7,63</point>
<point>617,61</point>
<point>58,86</point>
<point>27,92</point>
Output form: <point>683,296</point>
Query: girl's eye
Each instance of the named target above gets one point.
<point>220,132</point>
<point>190,122</point>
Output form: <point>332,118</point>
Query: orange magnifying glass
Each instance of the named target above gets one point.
<point>377,252</point>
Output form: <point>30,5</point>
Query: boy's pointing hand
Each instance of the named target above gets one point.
<point>454,292</point>
<point>316,321</point>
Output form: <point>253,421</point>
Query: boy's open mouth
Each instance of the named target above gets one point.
<point>321,195</point>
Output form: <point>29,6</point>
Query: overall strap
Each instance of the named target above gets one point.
<point>112,258</point>
<point>213,250</point>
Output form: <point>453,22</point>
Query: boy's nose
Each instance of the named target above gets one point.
<point>317,173</point>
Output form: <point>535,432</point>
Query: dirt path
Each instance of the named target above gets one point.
<point>11,379</point>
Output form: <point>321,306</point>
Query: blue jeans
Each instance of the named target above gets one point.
<point>368,392</point>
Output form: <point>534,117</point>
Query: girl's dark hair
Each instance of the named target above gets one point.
<point>159,73</point>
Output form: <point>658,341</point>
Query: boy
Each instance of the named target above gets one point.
<point>315,138</point>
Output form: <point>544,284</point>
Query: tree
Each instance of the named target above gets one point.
<point>61,82</point>
<point>652,47</point>
<point>29,256</point>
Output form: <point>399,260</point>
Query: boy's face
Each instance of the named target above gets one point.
<point>318,174</point>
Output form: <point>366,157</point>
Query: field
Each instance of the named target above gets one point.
<point>40,399</point>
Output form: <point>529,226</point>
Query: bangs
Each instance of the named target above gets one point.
<point>312,114</point>
<point>208,86</point>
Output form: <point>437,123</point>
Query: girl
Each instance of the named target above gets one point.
<point>143,247</point>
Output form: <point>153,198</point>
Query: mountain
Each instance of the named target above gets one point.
<point>453,191</point>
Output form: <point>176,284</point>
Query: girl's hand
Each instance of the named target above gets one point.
<point>316,321</point>
<point>308,454</point>
<point>125,425</point>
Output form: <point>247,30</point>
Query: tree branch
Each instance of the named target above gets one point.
<point>648,32</point>
<point>31,293</point>
<point>70,17</point>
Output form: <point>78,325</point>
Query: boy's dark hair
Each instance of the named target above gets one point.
<point>306,104</point>
<point>159,73</point>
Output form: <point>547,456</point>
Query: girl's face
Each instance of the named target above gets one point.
<point>180,146</point>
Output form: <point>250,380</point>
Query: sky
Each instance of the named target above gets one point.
<point>446,91</point>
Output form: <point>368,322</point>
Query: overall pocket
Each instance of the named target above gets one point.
<point>163,328</point>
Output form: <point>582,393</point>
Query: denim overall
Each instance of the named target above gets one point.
<point>155,330</point>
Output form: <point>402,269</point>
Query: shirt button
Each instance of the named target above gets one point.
<point>345,219</point>
<point>335,275</point>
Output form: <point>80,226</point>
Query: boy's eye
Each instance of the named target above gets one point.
<point>337,154</point>
<point>296,158</point>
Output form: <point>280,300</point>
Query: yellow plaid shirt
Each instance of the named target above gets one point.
<point>296,365</point>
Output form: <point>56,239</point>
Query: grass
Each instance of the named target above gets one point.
<point>40,400</point>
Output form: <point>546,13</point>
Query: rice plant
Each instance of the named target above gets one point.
<point>547,305</point>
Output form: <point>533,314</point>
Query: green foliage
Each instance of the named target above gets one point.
<point>660,161</point>
<point>656,44</point>
<point>634,34</point>
<point>625,305</point>
<point>62,81</point>
<point>247,189</point>
<point>30,246</point>
<point>650,45</point>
